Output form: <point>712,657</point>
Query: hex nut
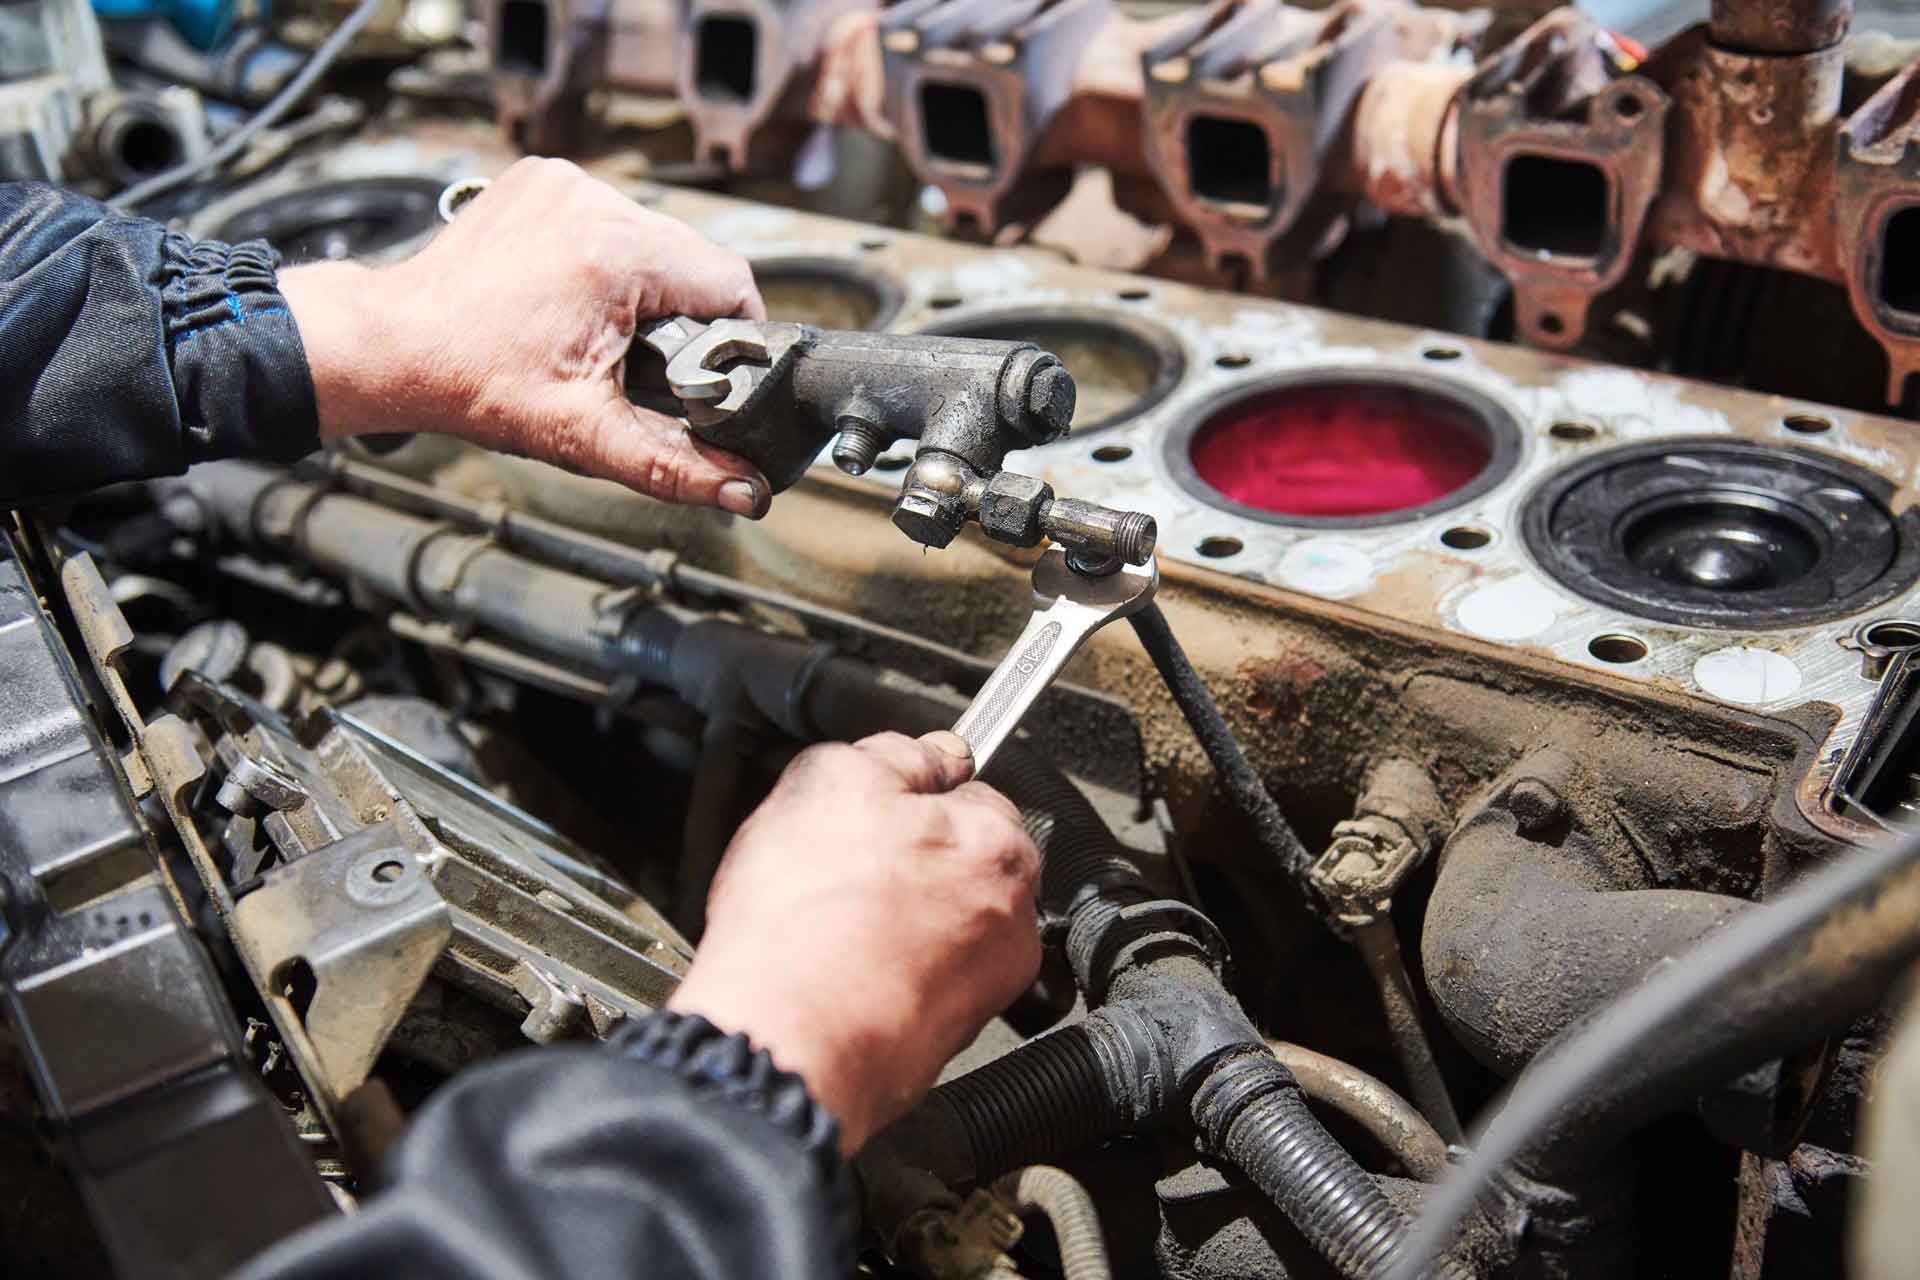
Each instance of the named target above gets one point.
<point>1011,506</point>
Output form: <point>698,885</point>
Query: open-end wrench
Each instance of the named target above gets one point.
<point>1067,608</point>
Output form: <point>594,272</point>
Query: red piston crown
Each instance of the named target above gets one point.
<point>1353,449</point>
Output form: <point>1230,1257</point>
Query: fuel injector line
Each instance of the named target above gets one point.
<point>1236,773</point>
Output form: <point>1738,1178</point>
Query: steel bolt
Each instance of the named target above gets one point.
<point>1051,396</point>
<point>859,444</point>
<point>1036,395</point>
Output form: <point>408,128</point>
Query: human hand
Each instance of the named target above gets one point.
<point>851,88</point>
<point>511,328</point>
<point>867,920</point>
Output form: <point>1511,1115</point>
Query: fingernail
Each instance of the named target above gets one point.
<point>950,742</point>
<point>742,497</point>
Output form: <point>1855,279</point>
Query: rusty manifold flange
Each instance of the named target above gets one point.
<point>1243,106</point>
<point>1560,160</point>
<point>974,87</point>
<point>1877,182</point>
<point>746,70</point>
<point>546,56</point>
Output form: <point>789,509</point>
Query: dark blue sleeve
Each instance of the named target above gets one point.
<point>671,1153</point>
<point>129,351</point>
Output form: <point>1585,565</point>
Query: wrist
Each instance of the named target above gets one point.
<point>355,346</point>
<point>797,1037</point>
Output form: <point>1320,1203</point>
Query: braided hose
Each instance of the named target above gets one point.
<point>1044,1189</point>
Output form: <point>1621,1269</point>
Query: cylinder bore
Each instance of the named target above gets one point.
<point>1723,533</point>
<point>828,292</point>
<point>346,219</point>
<point>1344,448</point>
<point>1121,366</point>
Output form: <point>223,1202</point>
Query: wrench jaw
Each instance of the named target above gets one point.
<point>1127,590</point>
<point>1068,607</point>
<point>719,368</point>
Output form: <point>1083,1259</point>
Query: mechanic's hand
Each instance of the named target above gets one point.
<point>867,920</point>
<point>511,328</point>
<point>851,87</point>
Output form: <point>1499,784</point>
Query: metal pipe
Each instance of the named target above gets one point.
<point>1067,1206</point>
<point>1780,26</point>
<point>1370,1103</point>
<point>1379,947</point>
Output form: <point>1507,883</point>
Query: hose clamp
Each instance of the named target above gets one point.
<point>1112,941</point>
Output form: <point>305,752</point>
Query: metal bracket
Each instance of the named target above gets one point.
<point>363,917</point>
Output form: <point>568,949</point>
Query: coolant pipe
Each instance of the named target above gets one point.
<point>1523,945</point>
<point>1520,941</point>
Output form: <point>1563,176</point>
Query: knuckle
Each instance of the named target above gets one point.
<point>666,475</point>
<point>826,757</point>
<point>739,282</point>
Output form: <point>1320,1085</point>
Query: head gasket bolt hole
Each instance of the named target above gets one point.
<point>1617,648</point>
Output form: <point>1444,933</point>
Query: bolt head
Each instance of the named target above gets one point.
<point>927,518</point>
<point>1050,400</point>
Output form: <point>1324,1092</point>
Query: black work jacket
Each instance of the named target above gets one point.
<point>128,351</point>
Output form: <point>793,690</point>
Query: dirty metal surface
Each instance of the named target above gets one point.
<point>1411,572</point>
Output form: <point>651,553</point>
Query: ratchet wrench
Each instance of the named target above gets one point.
<point>1068,607</point>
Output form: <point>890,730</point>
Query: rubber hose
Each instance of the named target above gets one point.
<point>1048,1096</point>
<point>1076,1224</point>
<point>1242,782</point>
<point>1253,1112</point>
<point>1045,1098</point>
